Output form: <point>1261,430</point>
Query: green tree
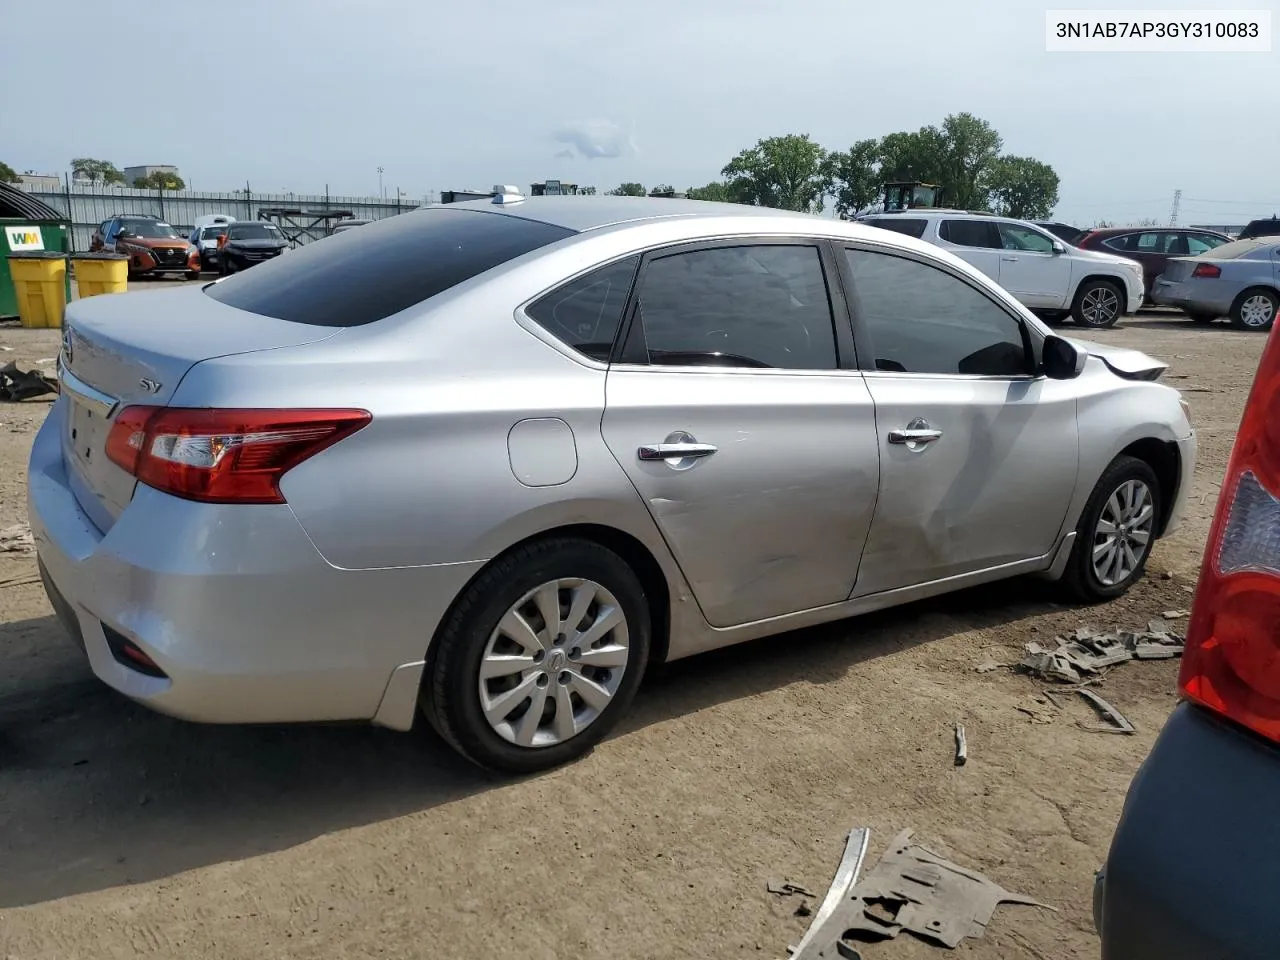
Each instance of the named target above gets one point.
<point>913,156</point>
<point>7,173</point>
<point>716,190</point>
<point>588,191</point>
<point>782,172</point>
<point>1021,187</point>
<point>970,147</point>
<point>854,176</point>
<point>87,168</point>
<point>160,180</point>
<point>629,189</point>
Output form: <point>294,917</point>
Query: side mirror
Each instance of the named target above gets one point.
<point>1062,360</point>
<point>1059,247</point>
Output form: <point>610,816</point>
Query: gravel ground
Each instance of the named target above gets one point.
<point>126,834</point>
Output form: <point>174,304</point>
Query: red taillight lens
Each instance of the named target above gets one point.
<point>1207,270</point>
<point>1232,659</point>
<point>223,456</point>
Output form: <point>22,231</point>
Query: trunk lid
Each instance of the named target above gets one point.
<point>135,349</point>
<point>1177,269</point>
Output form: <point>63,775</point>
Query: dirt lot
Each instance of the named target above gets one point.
<point>125,834</point>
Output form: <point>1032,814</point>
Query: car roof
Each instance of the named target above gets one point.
<point>591,213</point>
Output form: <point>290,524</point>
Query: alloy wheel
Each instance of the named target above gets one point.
<point>1099,306</point>
<point>1122,536</point>
<point>1257,311</point>
<point>553,663</point>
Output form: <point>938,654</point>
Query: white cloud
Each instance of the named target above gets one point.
<point>596,139</point>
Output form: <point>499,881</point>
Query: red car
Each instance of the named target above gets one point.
<point>1152,246</point>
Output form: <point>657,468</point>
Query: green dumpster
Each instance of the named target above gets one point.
<point>27,236</point>
<point>27,225</point>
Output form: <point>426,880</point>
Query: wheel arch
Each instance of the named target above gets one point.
<point>630,548</point>
<point>1163,457</point>
<point>1112,278</point>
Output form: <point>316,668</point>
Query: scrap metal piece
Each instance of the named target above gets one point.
<point>1118,722</point>
<point>18,384</point>
<point>855,851</point>
<point>786,889</point>
<point>962,747</point>
<point>914,889</point>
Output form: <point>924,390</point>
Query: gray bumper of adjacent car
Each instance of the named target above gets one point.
<point>1194,867</point>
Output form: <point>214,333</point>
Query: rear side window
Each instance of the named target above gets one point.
<point>748,306</point>
<point>909,226</point>
<point>360,276</point>
<point>970,233</point>
<point>585,313</point>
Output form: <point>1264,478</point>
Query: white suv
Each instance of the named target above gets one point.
<point>1047,275</point>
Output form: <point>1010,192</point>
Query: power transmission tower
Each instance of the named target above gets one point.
<point>1177,202</point>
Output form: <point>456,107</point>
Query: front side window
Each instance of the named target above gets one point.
<point>745,306</point>
<point>924,320</point>
<point>585,313</point>
<point>1014,236</point>
<point>1198,243</point>
<point>970,233</point>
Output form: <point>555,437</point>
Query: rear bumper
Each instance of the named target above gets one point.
<point>1190,296</point>
<point>249,623</point>
<point>1195,862</point>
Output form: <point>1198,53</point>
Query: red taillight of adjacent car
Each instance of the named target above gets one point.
<point>1232,659</point>
<point>1208,270</point>
<point>223,456</point>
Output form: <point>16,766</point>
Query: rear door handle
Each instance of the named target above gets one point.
<point>675,451</point>
<point>913,435</point>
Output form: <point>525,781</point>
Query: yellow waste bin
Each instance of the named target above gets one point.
<point>39,279</point>
<point>100,272</point>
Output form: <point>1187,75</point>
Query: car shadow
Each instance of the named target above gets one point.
<point>96,791</point>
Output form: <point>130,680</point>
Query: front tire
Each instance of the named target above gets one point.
<point>540,656</point>
<point>1098,304</point>
<point>1116,532</point>
<point>1255,309</point>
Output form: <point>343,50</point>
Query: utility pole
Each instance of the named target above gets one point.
<point>1177,202</point>
<point>382,193</point>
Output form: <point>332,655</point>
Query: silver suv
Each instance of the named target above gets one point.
<point>1049,276</point>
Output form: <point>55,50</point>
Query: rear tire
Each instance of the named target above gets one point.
<point>591,685</point>
<point>193,274</point>
<point>1109,554</point>
<point>1098,304</point>
<point>1202,318</point>
<point>1255,309</point>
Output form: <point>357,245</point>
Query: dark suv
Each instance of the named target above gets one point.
<point>1194,867</point>
<point>152,246</point>
<point>247,242</point>
<point>1261,228</point>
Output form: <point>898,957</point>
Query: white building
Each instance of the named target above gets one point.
<point>40,181</point>
<point>135,173</point>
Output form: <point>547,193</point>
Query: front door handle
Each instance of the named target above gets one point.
<point>675,451</point>
<point>914,436</point>
<point>1009,259</point>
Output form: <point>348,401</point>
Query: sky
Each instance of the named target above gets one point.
<point>294,95</point>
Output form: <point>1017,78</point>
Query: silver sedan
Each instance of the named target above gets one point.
<point>486,462</point>
<point>1239,280</point>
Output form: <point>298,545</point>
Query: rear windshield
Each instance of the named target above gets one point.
<point>254,231</point>
<point>911,227</point>
<point>359,276</point>
<point>1235,249</point>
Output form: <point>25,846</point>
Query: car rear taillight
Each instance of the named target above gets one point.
<point>223,456</point>
<point>1083,238</point>
<point>1232,659</point>
<point>1207,270</point>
